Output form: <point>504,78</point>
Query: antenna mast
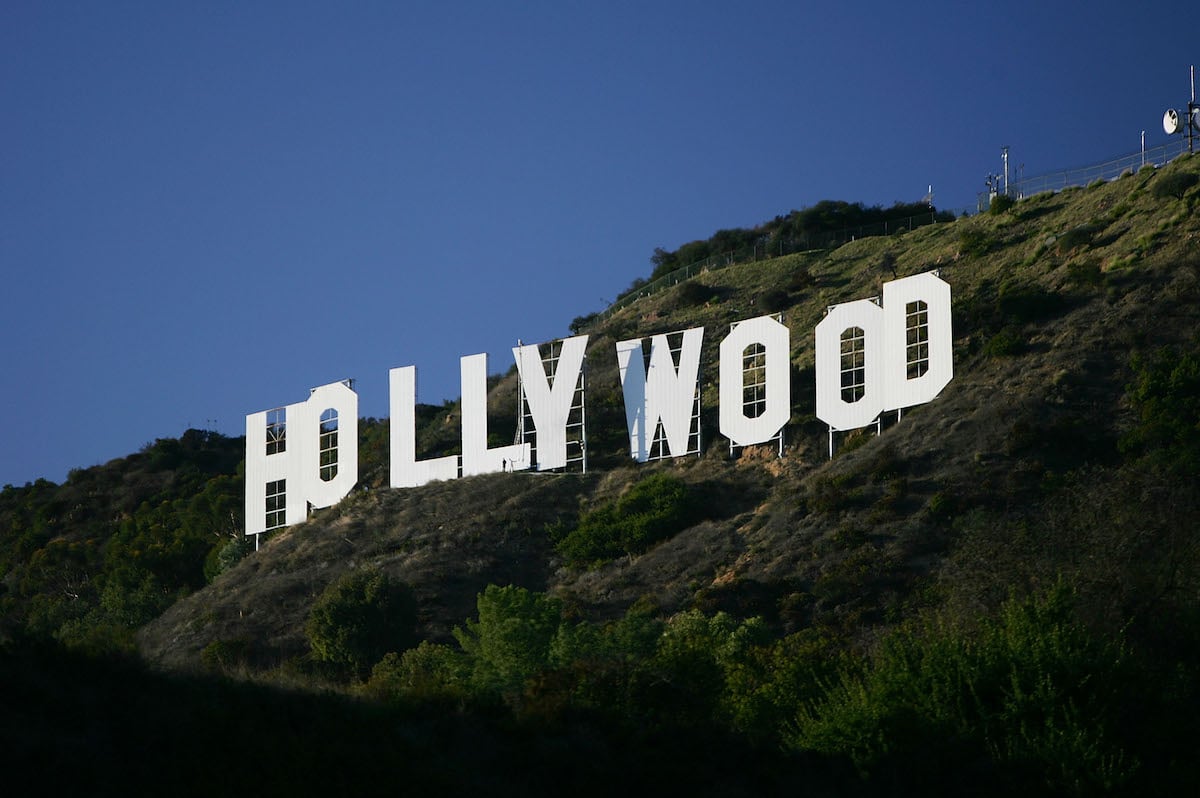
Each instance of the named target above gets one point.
<point>1192,120</point>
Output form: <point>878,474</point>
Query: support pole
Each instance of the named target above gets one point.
<point>1191,128</point>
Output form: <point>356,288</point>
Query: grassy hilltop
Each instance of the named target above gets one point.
<point>1001,589</point>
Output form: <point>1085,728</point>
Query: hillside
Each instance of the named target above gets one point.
<point>1051,300</point>
<point>1060,460</point>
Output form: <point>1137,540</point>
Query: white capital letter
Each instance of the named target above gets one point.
<point>551,406</point>
<point>925,294</point>
<point>858,400</point>
<point>406,470</point>
<point>774,339</point>
<point>871,359</point>
<point>310,456</point>
<point>477,458</point>
<point>665,395</point>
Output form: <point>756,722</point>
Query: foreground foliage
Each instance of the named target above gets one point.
<point>1031,692</point>
<point>1027,701</point>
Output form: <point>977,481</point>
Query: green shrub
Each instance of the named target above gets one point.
<point>1076,237</point>
<point>831,494</point>
<point>358,619</point>
<point>581,323</point>
<point>941,507</point>
<point>974,241</point>
<point>132,597</point>
<point>801,278</point>
<point>651,511</point>
<point>1005,343</point>
<point>224,556</point>
<point>1165,393</point>
<point>1001,203</point>
<point>1174,185</point>
<point>1031,690</point>
<point>96,636</point>
<point>224,656</point>
<point>1026,303</point>
<point>774,300</point>
<point>693,292</point>
<point>429,671</point>
<point>685,680</point>
<point>1086,272</point>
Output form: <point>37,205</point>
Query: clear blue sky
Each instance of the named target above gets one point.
<point>207,209</point>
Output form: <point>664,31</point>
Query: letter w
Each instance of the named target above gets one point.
<point>662,395</point>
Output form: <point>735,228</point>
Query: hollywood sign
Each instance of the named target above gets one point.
<point>871,357</point>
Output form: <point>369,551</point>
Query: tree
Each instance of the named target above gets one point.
<point>511,639</point>
<point>663,262</point>
<point>359,618</point>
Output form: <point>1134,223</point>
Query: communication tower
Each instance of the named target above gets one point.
<point>1185,122</point>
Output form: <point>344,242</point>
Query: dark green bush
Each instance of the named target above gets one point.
<point>1031,691</point>
<point>774,300</point>
<point>430,671</point>
<point>974,241</point>
<point>801,279</point>
<point>1004,343</point>
<point>358,619</point>
<point>654,509</point>
<point>831,494</point>
<point>581,323</point>
<point>1026,303</point>
<point>1174,185</point>
<point>510,639</point>
<point>224,656</point>
<point>1165,393</point>
<point>693,292</point>
<point>1076,237</point>
<point>1085,272</point>
<point>1000,204</point>
<point>223,557</point>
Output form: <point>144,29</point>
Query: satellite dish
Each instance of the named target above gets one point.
<point>1171,122</point>
<point>1196,118</point>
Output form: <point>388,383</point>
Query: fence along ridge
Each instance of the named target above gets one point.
<point>809,242</point>
<point>1055,180</point>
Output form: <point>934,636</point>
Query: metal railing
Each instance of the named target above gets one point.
<point>808,242</point>
<point>1086,175</point>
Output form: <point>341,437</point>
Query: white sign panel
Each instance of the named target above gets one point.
<point>302,454</point>
<point>774,339</point>
<point>477,458</point>
<point>662,394</point>
<point>550,404</point>
<point>406,470</point>
<point>871,358</point>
